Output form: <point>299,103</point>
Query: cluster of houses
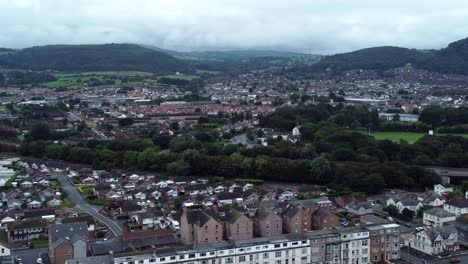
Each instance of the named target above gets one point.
<point>33,189</point>
<point>192,215</point>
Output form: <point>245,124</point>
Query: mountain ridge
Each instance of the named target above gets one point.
<point>452,59</point>
<point>92,57</point>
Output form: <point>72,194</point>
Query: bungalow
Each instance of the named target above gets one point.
<point>54,203</point>
<point>156,194</point>
<point>218,189</point>
<point>161,184</point>
<point>139,196</point>
<point>14,204</point>
<point>45,214</point>
<point>247,186</point>
<point>360,208</point>
<point>88,180</point>
<point>172,193</point>
<point>285,195</point>
<point>233,187</point>
<point>437,217</point>
<point>44,182</point>
<point>113,196</point>
<point>129,186</point>
<point>34,204</point>
<point>410,204</point>
<point>26,185</point>
<point>230,198</point>
<point>134,177</point>
<point>196,189</point>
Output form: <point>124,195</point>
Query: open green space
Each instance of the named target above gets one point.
<point>410,137</point>
<point>67,203</point>
<point>208,72</point>
<point>180,76</point>
<point>42,242</point>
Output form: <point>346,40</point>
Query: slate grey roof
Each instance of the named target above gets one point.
<point>458,202</point>
<point>439,212</point>
<point>443,231</point>
<point>105,259</point>
<point>197,217</point>
<point>409,202</point>
<point>263,213</point>
<point>68,233</point>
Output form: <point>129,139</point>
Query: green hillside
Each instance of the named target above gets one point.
<point>107,57</point>
<point>379,58</point>
<point>452,59</point>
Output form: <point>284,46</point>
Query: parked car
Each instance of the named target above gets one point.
<point>454,260</point>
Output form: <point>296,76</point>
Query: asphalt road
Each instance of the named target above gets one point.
<point>82,204</point>
<point>418,257</point>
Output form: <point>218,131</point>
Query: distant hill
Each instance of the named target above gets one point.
<point>107,57</point>
<point>379,58</point>
<point>245,54</point>
<point>453,59</point>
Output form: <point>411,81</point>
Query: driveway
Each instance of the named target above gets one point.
<point>81,203</point>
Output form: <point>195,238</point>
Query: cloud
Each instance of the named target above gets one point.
<point>317,26</point>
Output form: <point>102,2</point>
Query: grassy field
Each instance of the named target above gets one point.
<point>180,76</point>
<point>410,137</point>
<point>207,71</point>
<point>75,80</point>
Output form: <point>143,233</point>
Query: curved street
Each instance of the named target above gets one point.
<point>81,203</point>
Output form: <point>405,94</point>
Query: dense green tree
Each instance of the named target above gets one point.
<point>320,169</point>
<point>40,131</point>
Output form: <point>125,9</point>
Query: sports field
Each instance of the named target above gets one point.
<point>410,137</point>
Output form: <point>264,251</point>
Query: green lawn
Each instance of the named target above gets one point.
<point>75,80</point>
<point>180,76</point>
<point>411,137</point>
<point>67,203</point>
<point>207,71</point>
<point>40,243</point>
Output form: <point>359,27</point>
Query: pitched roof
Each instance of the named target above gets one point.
<point>24,224</point>
<point>458,202</point>
<point>439,212</point>
<point>69,231</point>
<point>443,231</point>
<point>38,213</point>
<point>197,217</point>
<point>233,216</point>
<point>130,206</point>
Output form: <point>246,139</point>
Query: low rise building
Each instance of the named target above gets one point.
<point>434,241</point>
<point>457,206</point>
<point>437,217</point>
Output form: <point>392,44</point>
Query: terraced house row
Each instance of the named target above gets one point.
<point>355,245</point>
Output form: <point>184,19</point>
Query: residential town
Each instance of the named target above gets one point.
<point>191,220</point>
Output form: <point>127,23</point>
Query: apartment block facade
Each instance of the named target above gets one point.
<point>345,246</point>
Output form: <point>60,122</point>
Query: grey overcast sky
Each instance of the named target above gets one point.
<point>317,26</point>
